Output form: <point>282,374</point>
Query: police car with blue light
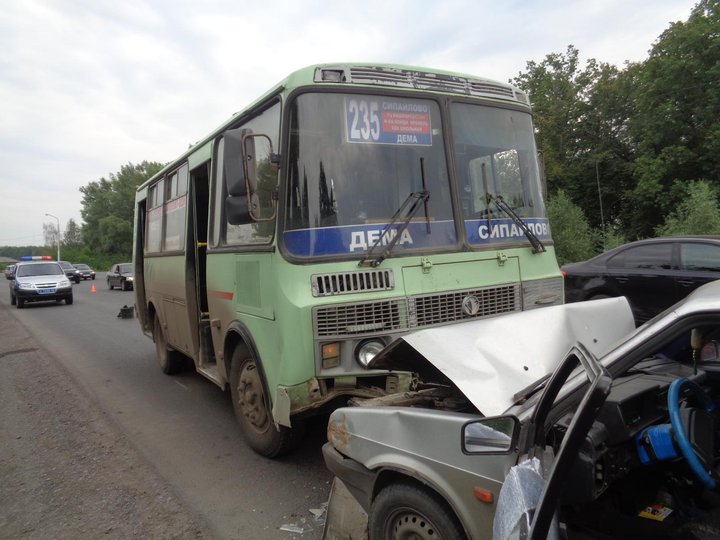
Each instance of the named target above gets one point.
<point>39,279</point>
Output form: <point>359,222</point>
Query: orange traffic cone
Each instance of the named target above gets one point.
<point>93,288</point>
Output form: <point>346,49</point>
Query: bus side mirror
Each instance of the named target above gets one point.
<point>237,211</point>
<point>233,162</point>
<point>261,176</point>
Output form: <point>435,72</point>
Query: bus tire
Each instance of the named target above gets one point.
<point>170,360</point>
<point>252,413</point>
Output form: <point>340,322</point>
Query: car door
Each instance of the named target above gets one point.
<point>645,275</point>
<point>699,263</point>
<point>538,522</point>
<point>113,275</point>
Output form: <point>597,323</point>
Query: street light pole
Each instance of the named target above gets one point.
<point>58,233</point>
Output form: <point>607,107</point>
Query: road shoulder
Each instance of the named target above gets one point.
<point>65,470</point>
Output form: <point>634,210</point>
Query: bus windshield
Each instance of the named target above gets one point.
<point>495,156</point>
<point>354,160</point>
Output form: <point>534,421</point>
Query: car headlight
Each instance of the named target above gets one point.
<point>64,283</point>
<point>25,286</point>
<point>129,278</point>
<point>367,350</point>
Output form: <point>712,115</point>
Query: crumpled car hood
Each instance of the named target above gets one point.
<point>490,360</point>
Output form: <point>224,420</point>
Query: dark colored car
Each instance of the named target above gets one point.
<point>85,271</point>
<point>121,276</point>
<point>70,271</point>
<point>39,281</point>
<point>652,274</point>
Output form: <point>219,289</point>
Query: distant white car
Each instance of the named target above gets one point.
<point>503,441</point>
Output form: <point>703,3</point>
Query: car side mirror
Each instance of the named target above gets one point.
<point>494,435</point>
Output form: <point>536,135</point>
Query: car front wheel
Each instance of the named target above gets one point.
<point>110,285</point>
<point>406,510</point>
<point>13,300</point>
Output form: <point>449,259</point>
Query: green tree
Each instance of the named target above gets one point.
<point>72,237</point>
<point>574,239</point>
<point>677,122</point>
<point>107,208</point>
<point>581,116</point>
<point>698,213</point>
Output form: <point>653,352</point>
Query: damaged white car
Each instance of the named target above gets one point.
<point>517,430</point>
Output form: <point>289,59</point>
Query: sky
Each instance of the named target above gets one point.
<point>87,86</point>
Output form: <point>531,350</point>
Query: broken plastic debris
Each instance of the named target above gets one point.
<point>296,528</point>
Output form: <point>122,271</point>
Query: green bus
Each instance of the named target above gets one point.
<point>348,205</point>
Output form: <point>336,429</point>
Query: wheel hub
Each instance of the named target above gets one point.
<point>250,398</point>
<point>410,525</point>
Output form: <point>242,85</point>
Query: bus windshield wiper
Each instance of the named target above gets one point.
<point>406,212</point>
<point>537,245</point>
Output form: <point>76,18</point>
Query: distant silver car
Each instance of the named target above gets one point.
<point>517,431</point>
<point>39,281</point>
<point>9,271</point>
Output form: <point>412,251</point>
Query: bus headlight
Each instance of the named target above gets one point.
<point>367,350</point>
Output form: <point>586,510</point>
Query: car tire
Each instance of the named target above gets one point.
<point>69,300</point>
<point>110,285</point>
<point>170,360</point>
<point>77,280</point>
<point>408,510</point>
<point>13,300</point>
<point>252,413</point>
<point>20,303</point>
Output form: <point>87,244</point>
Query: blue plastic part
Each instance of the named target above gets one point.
<point>659,439</point>
<point>678,430</point>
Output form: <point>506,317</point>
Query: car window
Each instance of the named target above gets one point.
<point>696,256</point>
<point>125,268</point>
<point>649,256</point>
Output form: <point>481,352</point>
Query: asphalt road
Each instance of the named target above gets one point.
<point>183,425</point>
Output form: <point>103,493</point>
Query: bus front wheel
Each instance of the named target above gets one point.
<point>252,413</point>
<point>170,360</point>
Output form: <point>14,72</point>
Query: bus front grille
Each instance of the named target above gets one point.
<point>352,282</point>
<point>461,305</point>
<point>402,314</point>
<point>360,318</point>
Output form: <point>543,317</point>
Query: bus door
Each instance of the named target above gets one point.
<point>199,189</point>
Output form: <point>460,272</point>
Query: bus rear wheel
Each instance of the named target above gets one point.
<point>170,360</point>
<point>252,412</point>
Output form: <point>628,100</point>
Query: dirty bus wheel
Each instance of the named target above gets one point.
<point>251,410</point>
<point>170,360</point>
